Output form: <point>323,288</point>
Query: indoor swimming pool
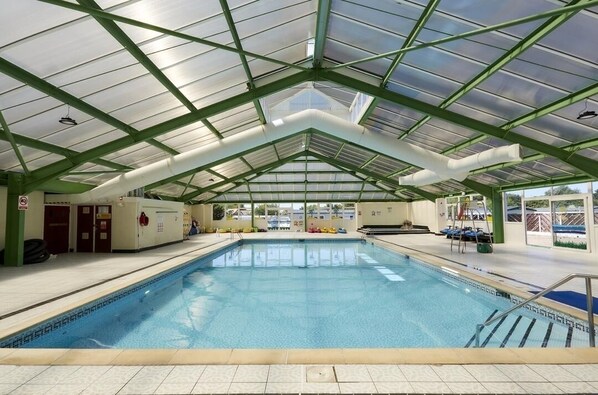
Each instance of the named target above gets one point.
<point>301,294</point>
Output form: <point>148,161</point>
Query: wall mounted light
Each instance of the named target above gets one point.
<point>67,120</point>
<point>585,113</point>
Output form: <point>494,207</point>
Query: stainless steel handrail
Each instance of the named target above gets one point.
<point>588,279</point>
<point>232,235</point>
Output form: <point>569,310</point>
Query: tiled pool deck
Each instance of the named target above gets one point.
<point>75,278</point>
<point>295,379</point>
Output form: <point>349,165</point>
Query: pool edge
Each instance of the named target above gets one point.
<point>445,356</point>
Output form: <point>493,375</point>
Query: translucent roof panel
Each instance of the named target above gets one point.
<point>262,157</point>
<point>191,139</point>
<point>140,95</point>
<point>138,155</point>
<point>354,156</point>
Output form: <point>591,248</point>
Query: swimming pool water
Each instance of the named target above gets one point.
<point>290,295</point>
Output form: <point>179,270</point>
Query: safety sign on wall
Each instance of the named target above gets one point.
<point>23,202</point>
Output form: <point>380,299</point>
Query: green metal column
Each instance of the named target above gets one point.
<point>15,222</point>
<point>252,216</point>
<point>498,221</point>
<point>305,216</point>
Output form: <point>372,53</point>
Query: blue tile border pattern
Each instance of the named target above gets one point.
<point>539,309</point>
<point>28,335</point>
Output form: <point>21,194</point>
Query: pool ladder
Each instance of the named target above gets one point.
<point>589,305</point>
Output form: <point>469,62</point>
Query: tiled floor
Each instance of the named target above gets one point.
<point>260,379</point>
<point>276,371</point>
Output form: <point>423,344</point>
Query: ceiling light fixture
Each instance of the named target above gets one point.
<point>585,114</point>
<point>211,179</point>
<point>67,120</point>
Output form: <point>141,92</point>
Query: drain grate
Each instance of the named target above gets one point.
<point>320,374</point>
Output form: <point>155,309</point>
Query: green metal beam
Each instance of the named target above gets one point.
<point>13,143</point>
<point>546,182</point>
<point>563,102</point>
<point>61,167</point>
<point>302,181</point>
<point>526,43</point>
<point>215,173</point>
<point>573,160</point>
<point>475,186</point>
<point>173,33</point>
<point>378,177</point>
<point>361,192</point>
<point>368,111</point>
<point>246,163</point>
<point>39,84</point>
<point>124,40</point>
<point>68,187</point>
<point>120,36</point>
<point>191,172</point>
<point>276,151</point>
<point>212,129</point>
<point>409,40</point>
<point>95,172</point>
<point>339,150</point>
<point>14,239</point>
<point>311,172</point>
<point>307,143</point>
<point>556,105</point>
<point>187,186</point>
<point>491,28</point>
<point>250,82</point>
<point>366,180</point>
<point>55,149</point>
<point>295,191</point>
<point>229,190</point>
<point>258,170</point>
<point>259,201</point>
<point>305,178</point>
<point>419,25</point>
<point>322,18</point>
<point>369,161</point>
<point>547,109</point>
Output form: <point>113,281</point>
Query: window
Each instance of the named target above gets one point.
<point>595,201</point>
<point>513,206</point>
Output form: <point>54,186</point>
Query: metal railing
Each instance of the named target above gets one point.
<point>589,301</point>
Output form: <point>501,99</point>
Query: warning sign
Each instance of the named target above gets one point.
<point>23,202</point>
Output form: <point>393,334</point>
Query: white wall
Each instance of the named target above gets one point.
<point>125,224</point>
<point>34,216</point>
<point>423,213</point>
<point>127,234</point>
<point>165,222</point>
<point>383,213</point>
<point>203,214</point>
<point>514,233</point>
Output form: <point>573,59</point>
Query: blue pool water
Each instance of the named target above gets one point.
<point>290,295</point>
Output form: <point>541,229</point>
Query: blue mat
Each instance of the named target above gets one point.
<point>571,298</point>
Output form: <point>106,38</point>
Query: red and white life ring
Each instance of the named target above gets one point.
<point>143,219</point>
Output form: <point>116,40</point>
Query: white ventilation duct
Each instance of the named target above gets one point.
<point>265,134</point>
<point>460,168</point>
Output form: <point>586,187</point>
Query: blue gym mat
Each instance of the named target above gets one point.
<point>571,298</point>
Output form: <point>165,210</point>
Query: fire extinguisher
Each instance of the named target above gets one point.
<point>143,219</point>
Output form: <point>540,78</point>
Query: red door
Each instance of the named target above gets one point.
<point>56,228</point>
<point>85,220</point>
<point>103,228</point>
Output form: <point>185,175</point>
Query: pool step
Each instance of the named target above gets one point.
<point>521,331</point>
